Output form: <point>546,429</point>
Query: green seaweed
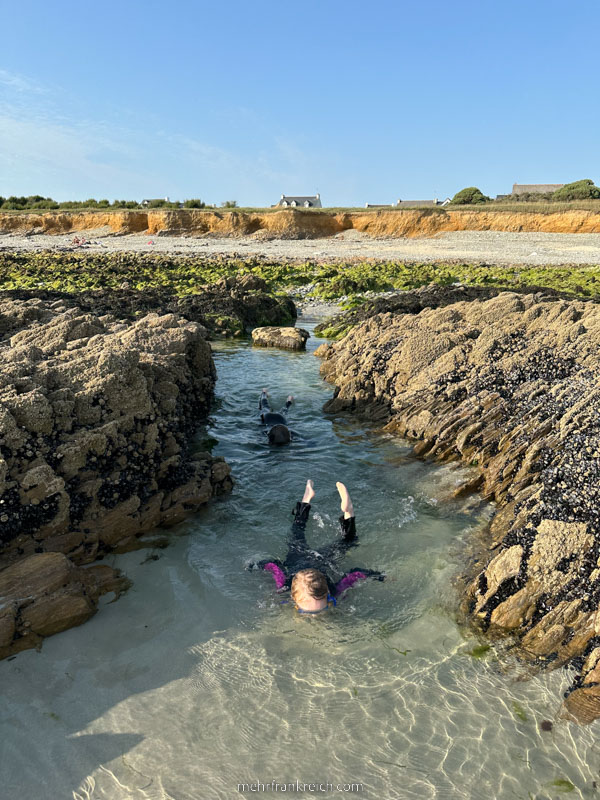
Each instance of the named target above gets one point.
<point>182,275</point>
<point>562,785</point>
<point>519,711</point>
<point>480,650</point>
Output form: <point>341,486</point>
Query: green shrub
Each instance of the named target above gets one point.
<point>579,190</point>
<point>529,197</point>
<point>194,203</point>
<point>469,196</point>
<point>229,204</point>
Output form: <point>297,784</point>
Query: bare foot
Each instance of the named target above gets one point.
<point>290,399</point>
<point>264,391</point>
<point>346,505</point>
<point>309,492</point>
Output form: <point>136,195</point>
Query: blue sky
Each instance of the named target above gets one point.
<point>363,102</point>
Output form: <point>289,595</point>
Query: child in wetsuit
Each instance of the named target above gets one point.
<point>276,422</point>
<point>308,573</point>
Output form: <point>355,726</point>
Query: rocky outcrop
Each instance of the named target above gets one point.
<point>412,302</point>
<point>96,424</point>
<point>510,386</point>
<point>228,307</point>
<point>45,594</point>
<point>300,224</point>
<point>286,338</point>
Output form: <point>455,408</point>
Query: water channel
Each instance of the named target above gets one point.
<point>199,678</point>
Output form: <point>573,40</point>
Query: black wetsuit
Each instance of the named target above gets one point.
<point>300,556</point>
<point>271,419</point>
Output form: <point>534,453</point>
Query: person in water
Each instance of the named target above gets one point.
<point>275,421</point>
<point>307,573</point>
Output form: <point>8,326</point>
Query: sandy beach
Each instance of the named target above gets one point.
<point>473,246</point>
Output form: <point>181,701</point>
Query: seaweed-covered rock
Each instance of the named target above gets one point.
<point>227,307</point>
<point>509,385</point>
<point>286,338</point>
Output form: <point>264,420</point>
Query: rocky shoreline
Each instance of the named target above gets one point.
<point>508,384</point>
<point>100,399</point>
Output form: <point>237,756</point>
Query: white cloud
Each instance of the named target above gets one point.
<point>19,83</point>
<point>44,150</point>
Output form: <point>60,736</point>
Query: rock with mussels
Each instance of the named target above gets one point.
<point>97,417</point>
<point>508,385</point>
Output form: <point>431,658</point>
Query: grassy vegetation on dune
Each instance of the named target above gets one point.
<point>510,206</point>
<point>183,275</point>
<point>532,207</point>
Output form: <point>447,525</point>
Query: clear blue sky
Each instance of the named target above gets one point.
<point>230,99</point>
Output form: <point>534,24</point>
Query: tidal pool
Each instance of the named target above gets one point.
<point>199,679</point>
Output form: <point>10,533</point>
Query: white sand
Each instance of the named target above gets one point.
<point>473,246</point>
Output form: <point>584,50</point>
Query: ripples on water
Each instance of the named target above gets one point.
<point>200,678</point>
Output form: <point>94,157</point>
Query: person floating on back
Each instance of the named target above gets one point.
<point>275,421</point>
<point>307,573</point>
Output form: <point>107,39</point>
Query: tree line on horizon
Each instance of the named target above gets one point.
<point>37,202</point>
<point>471,195</point>
<point>578,190</point>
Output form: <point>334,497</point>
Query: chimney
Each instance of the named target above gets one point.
<point>318,196</point>
<point>283,197</point>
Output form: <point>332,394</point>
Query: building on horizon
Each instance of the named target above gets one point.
<point>146,202</point>
<point>298,201</point>
<point>535,188</point>
<point>422,203</point>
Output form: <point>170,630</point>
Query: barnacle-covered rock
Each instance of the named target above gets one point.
<point>508,384</point>
<point>96,417</point>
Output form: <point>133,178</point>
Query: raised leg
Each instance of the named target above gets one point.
<point>347,518</point>
<point>297,540</point>
<point>263,402</point>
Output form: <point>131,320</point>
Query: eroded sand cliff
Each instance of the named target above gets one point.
<point>295,224</point>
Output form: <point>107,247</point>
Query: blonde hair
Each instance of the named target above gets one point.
<point>309,581</point>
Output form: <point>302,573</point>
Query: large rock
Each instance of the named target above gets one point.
<point>286,338</point>
<point>509,385</point>
<point>96,420</point>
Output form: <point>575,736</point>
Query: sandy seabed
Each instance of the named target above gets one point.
<point>473,246</point>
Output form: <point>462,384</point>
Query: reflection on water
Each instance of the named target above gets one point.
<point>200,678</point>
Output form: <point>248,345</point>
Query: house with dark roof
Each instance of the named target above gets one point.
<point>535,188</point>
<point>297,201</point>
<point>422,203</point>
<point>146,201</point>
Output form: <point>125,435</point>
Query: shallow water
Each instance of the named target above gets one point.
<point>200,679</point>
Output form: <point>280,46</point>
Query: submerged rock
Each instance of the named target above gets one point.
<point>510,386</point>
<point>45,594</point>
<point>286,338</point>
<point>96,420</point>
